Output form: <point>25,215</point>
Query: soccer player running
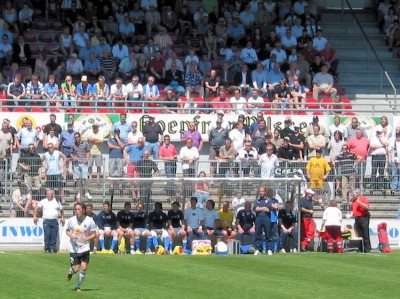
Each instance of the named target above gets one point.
<point>81,229</point>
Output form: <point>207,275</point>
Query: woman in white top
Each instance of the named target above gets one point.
<point>66,44</point>
<point>51,138</point>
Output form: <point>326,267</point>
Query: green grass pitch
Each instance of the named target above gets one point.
<point>306,275</point>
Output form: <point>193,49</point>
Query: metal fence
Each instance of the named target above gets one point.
<point>205,106</point>
<point>153,181</point>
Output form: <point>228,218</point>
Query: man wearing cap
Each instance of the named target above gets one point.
<point>318,170</point>
<point>220,117</point>
<point>95,140</point>
<point>84,93</point>
<point>310,129</point>
<point>154,134</point>
<point>306,206</point>
<point>285,152</point>
<point>287,131</point>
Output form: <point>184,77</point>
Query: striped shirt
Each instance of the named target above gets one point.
<point>108,64</point>
<point>80,150</point>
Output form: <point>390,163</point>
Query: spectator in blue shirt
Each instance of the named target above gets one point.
<point>123,126</point>
<point>91,66</point>
<point>51,91</point>
<point>27,135</point>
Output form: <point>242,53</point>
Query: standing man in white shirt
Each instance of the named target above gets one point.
<point>51,208</point>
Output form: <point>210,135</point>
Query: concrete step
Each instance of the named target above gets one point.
<point>372,66</point>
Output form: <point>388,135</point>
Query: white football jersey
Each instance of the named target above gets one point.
<point>80,230</point>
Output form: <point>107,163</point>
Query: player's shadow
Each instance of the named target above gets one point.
<point>87,290</point>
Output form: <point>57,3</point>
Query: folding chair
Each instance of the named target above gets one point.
<point>354,238</point>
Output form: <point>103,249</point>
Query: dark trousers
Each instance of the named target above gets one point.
<point>361,226</point>
<point>50,227</point>
<point>266,227</point>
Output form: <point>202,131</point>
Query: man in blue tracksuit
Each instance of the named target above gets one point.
<point>262,206</point>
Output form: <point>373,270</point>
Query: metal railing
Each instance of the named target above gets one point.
<point>206,107</point>
<point>383,69</point>
<point>221,182</point>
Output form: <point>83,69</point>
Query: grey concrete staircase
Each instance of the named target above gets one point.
<point>360,73</point>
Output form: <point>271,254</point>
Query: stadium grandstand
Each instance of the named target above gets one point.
<point>159,101</point>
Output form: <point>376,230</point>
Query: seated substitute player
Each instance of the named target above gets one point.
<point>158,224</point>
<point>211,220</point>
<point>107,221</point>
<point>140,228</point>
<point>124,225</point>
<point>226,219</point>
<point>194,221</point>
<point>81,229</point>
<point>89,212</point>
<point>176,226</point>
<point>287,227</point>
<point>246,224</point>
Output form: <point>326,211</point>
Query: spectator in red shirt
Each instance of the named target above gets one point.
<point>157,67</point>
<point>359,146</point>
<point>222,102</point>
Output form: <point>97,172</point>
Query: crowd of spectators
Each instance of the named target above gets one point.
<point>337,154</point>
<point>277,49</point>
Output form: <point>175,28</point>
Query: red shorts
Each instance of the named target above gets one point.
<point>131,171</point>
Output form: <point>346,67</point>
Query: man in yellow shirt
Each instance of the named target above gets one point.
<point>226,220</point>
<point>318,170</point>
